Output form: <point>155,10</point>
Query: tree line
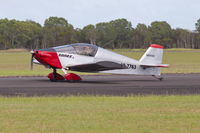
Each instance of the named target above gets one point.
<point>118,33</point>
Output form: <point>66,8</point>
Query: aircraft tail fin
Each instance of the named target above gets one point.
<point>153,57</point>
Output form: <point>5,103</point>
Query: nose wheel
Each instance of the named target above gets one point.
<point>54,76</point>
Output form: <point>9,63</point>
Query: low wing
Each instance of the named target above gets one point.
<point>95,67</point>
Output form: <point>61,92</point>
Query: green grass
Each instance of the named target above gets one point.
<point>180,60</point>
<point>18,64</point>
<point>149,114</point>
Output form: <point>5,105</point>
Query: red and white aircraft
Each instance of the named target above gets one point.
<point>85,57</point>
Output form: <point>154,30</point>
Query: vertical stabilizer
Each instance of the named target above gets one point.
<point>153,55</point>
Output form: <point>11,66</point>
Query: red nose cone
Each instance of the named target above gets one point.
<point>48,58</point>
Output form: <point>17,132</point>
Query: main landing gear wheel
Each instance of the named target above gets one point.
<point>72,77</point>
<point>158,77</point>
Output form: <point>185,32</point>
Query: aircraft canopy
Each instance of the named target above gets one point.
<point>78,48</point>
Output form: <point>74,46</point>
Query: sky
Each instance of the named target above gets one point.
<point>79,13</point>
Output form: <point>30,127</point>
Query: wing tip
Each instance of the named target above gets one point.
<point>152,65</point>
<point>164,66</point>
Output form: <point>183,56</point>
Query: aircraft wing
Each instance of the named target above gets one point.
<point>95,67</point>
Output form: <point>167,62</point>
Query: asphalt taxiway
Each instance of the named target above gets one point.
<point>115,85</point>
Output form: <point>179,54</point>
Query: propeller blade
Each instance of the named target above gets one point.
<point>32,56</point>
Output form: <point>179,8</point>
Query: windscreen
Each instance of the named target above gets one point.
<point>78,48</point>
<point>65,49</point>
<point>85,49</point>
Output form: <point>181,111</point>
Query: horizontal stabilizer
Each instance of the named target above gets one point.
<point>154,65</point>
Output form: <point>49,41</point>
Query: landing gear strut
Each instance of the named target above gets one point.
<point>54,75</point>
<point>158,77</point>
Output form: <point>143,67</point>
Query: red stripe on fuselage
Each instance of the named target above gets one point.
<point>48,58</point>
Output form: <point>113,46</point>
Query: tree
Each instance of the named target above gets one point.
<point>141,36</point>
<point>89,34</point>
<point>122,29</point>
<point>197,24</point>
<point>4,35</point>
<point>186,39</point>
<point>106,35</point>
<point>34,31</point>
<point>57,31</point>
<point>197,37</point>
<point>161,33</point>
<point>19,34</point>
<point>118,33</point>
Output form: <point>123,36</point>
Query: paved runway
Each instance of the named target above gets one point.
<point>115,85</point>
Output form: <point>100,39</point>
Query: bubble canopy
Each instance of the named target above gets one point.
<point>78,48</point>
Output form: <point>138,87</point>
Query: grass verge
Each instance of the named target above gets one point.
<point>148,114</point>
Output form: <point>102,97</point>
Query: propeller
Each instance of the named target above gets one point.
<point>32,56</point>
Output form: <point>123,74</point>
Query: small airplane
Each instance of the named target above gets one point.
<point>83,57</point>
